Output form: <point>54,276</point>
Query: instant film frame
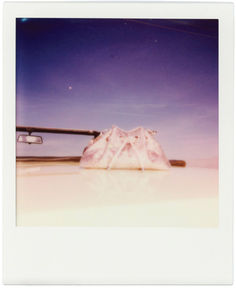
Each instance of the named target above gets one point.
<point>120,255</point>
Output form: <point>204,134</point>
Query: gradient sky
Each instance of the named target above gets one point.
<point>93,73</point>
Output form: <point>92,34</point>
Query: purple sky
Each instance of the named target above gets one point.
<point>93,73</point>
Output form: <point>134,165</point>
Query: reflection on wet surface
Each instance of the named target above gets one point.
<point>63,194</point>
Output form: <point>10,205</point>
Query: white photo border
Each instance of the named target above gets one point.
<point>75,255</point>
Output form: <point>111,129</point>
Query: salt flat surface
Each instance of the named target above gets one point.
<point>62,194</point>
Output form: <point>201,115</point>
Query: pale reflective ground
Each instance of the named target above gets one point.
<point>61,194</point>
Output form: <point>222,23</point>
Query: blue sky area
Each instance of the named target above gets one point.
<point>93,73</point>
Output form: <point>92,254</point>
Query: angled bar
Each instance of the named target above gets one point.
<point>57,131</point>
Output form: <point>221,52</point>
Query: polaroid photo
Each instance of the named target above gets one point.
<point>118,135</point>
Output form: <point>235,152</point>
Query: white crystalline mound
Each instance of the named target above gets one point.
<point>120,149</point>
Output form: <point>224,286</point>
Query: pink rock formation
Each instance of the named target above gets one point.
<point>120,149</point>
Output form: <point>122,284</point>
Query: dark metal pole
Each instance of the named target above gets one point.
<point>57,131</point>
